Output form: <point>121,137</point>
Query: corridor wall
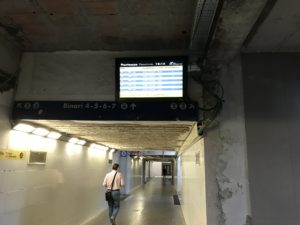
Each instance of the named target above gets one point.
<point>272,112</point>
<point>156,169</point>
<point>193,193</point>
<point>66,190</point>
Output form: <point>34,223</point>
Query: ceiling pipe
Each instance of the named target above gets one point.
<point>206,16</point>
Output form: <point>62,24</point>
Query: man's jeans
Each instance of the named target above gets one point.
<point>113,207</point>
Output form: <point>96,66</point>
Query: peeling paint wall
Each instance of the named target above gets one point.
<point>226,157</point>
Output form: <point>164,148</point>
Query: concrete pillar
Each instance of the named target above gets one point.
<point>173,170</point>
<point>226,166</point>
<point>125,168</point>
<point>144,171</point>
<point>179,177</point>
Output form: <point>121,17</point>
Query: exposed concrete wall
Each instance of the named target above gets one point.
<point>67,76</point>
<point>10,56</point>
<point>226,158</point>
<point>9,63</point>
<point>5,109</point>
<point>236,21</point>
<point>193,199</point>
<point>73,75</point>
<point>272,98</point>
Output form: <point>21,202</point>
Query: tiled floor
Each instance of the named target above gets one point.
<point>151,204</point>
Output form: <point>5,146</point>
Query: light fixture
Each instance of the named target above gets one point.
<point>112,150</point>
<point>93,146</point>
<point>24,127</point>
<point>54,135</point>
<point>81,142</point>
<point>99,147</point>
<point>111,154</point>
<point>73,140</point>
<point>41,131</point>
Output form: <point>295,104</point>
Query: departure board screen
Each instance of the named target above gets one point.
<point>151,78</point>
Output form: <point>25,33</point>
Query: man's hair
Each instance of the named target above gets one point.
<point>115,166</point>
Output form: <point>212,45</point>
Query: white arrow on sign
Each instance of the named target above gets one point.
<point>133,106</point>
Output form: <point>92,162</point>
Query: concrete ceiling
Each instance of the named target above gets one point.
<point>280,31</point>
<point>130,135</point>
<point>51,25</point>
<point>255,26</point>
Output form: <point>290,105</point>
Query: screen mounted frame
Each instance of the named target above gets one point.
<point>118,61</point>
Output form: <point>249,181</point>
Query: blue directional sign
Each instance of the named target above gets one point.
<point>96,110</point>
<point>123,154</point>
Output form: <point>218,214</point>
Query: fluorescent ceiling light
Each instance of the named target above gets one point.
<point>24,127</point>
<point>73,140</point>
<point>99,147</point>
<point>81,142</point>
<point>54,135</point>
<point>93,146</point>
<point>41,131</point>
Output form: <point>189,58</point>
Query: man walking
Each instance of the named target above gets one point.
<point>116,178</point>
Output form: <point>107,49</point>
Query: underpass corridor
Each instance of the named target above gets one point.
<point>150,204</point>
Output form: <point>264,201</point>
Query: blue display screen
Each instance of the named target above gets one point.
<point>150,78</point>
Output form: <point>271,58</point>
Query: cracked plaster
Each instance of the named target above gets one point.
<point>226,145</point>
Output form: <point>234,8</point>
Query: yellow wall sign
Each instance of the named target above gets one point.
<point>12,155</point>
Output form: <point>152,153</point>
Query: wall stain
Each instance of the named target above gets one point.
<point>248,220</point>
<point>240,186</point>
<point>7,80</point>
<point>15,31</point>
<point>225,194</point>
<point>219,205</point>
